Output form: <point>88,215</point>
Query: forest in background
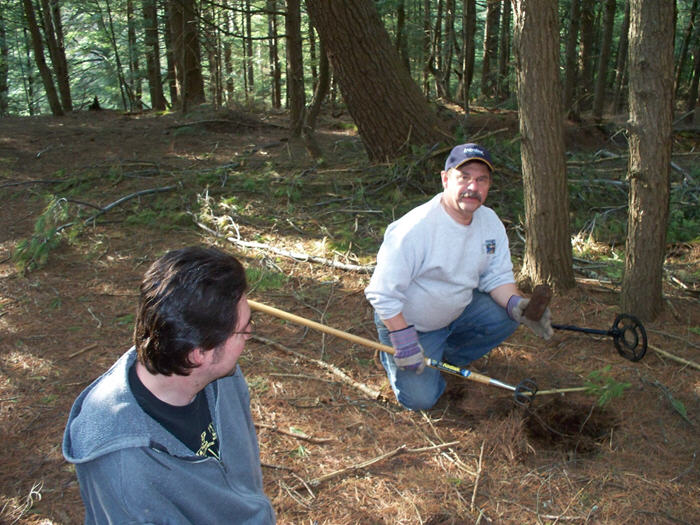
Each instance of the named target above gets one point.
<point>126,53</point>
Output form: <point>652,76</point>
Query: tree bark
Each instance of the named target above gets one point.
<point>548,255</point>
<point>295,68</point>
<point>401,44</point>
<point>571,67</point>
<point>650,137</point>
<point>40,60</point>
<point>135,92</point>
<point>250,73</point>
<point>503,89</point>
<point>4,66</point>
<point>683,53</point>
<point>55,40</point>
<point>170,56</point>
<point>468,50</point>
<point>621,68</point>
<point>275,68</point>
<point>588,31</point>
<point>490,60</point>
<point>155,84</point>
<point>601,82</point>
<point>386,104</point>
<point>184,31</point>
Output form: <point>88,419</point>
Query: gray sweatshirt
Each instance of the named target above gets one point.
<point>429,264</point>
<point>132,470</point>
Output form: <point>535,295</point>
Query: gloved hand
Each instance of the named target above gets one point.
<point>409,353</point>
<point>516,308</point>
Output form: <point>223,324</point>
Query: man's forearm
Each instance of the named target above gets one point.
<point>395,323</point>
<point>502,293</point>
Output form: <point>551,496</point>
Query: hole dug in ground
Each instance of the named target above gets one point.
<point>575,427</point>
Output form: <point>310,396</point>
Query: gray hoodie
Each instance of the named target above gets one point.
<point>132,470</point>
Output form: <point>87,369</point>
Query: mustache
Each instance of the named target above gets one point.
<point>470,195</point>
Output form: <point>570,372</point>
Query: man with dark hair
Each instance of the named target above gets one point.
<point>166,434</point>
<point>443,286</point>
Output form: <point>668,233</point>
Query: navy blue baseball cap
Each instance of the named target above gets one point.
<point>466,152</point>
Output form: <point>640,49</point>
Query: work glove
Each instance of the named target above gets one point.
<point>516,308</point>
<point>409,353</point>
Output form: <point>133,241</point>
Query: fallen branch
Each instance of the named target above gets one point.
<point>478,475</point>
<point>303,257</point>
<point>82,351</point>
<point>365,389</point>
<point>674,357</point>
<point>297,435</point>
<point>354,468</point>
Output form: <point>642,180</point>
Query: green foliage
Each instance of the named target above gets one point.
<point>32,253</point>
<point>603,386</point>
<point>263,279</point>
<point>126,319</point>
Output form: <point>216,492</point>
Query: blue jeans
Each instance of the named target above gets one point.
<point>482,326</point>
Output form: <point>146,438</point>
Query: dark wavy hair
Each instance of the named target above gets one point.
<point>189,299</point>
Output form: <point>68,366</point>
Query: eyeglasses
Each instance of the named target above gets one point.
<point>249,329</point>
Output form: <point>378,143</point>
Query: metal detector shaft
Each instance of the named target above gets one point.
<point>439,365</point>
<point>574,328</point>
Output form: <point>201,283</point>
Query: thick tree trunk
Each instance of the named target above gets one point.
<point>58,55</point>
<point>490,60</point>
<point>651,114</point>
<point>295,68</point>
<point>40,60</point>
<point>601,81</point>
<point>155,84</point>
<point>184,31</point>
<point>386,104</point>
<point>548,255</point>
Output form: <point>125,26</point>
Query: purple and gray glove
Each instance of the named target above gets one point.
<point>409,353</point>
<point>516,308</point>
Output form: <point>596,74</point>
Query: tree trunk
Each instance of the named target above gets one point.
<point>621,68</point>
<point>150,40</point>
<point>588,30</point>
<point>651,115</point>
<point>388,107</point>
<point>170,57</point>
<point>249,48</point>
<point>504,53</point>
<point>4,66</point>
<point>295,68</point>
<point>571,67</point>
<point>468,47</point>
<point>435,63</point>
<point>28,77</point>
<point>693,102</point>
<point>61,66</point>
<point>40,60</point>
<point>448,49</point>
<point>275,68</point>
<point>401,44</point>
<point>601,82</point>
<point>427,40</point>
<point>683,53</point>
<point>184,32</point>
<point>135,92</point>
<point>548,255</point>
<point>488,77</point>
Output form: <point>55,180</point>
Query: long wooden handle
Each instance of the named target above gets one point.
<point>320,327</point>
<point>446,367</point>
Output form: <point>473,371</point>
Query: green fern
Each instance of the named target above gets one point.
<point>604,387</point>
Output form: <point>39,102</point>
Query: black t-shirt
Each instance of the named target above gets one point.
<point>192,424</point>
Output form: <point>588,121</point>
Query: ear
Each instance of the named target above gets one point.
<point>444,175</point>
<point>198,356</point>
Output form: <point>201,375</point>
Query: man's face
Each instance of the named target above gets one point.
<point>465,189</point>
<point>225,356</point>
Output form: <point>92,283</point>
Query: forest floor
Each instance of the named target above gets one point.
<point>334,450</point>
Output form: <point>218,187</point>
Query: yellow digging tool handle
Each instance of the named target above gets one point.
<point>254,305</point>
